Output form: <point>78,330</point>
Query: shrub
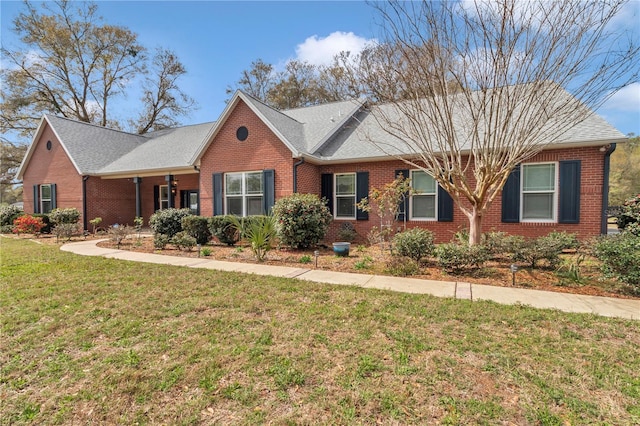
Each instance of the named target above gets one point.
<point>95,222</point>
<point>415,243</point>
<point>168,221</point>
<point>160,241</point>
<point>620,256</point>
<point>8,214</point>
<point>260,231</point>
<point>347,232</point>
<point>222,228</point>
<point>66,230</point>
<point>630,212</point>
<point>455,258</point>
<point>206,251</point>
<point>46,229</point>
<point>197,227</point>
<point>548,247</point>
<point>400,266</point>
<point>183,241</point>
<point>305,259</point>
<point>117,233</point>
<point>501,244</point>
<point>303,220</point>
<point>69,215</point>
<point>27,224</point>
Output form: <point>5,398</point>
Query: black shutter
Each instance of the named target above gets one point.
<point>36,199</point>
<point>54,203</point>
<point>217,194</point>
<point>269,196</point>
<point>184,199</point>
<point>445,206</point>
<point>569,199</point>
<point>511,197</point>
<point>362,191</point>
<point>156,198</point>
<point>403,205</point>
<point>326,189</point>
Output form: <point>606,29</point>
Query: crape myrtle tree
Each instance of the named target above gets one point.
<point>470,89</point>
<point>70,63</point>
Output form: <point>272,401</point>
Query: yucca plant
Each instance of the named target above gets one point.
<point>260,231</point>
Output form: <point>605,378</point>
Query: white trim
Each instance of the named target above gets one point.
<point>335,196</point>
<point>556,183</point>
<point>243,190</point>
<point>435,197</point>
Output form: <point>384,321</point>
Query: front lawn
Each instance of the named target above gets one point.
<point>93,340</point>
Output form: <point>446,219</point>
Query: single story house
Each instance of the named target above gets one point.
<point>253,155</point>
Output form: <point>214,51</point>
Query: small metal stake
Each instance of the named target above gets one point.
<point>316,254</point>
<point>514,269</point>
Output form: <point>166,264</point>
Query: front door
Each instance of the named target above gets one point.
<point>190,199</point>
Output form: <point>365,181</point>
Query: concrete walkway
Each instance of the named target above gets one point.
<point>604,306</point>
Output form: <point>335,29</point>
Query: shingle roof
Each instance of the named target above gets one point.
<point>164,149</point>
<point>333,132</point>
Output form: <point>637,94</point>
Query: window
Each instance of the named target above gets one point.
<point>163,199</point>
<point>423,201</point>
<point>244,193</point>
<point>538,192</point>
<point>345,198</point>
<point>46,203</point>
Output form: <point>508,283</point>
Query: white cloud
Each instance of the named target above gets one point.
<point>625,100</point>
<point>320,51</point>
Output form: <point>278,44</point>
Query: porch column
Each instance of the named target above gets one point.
<point>169,179</point>
<point>138,180</point>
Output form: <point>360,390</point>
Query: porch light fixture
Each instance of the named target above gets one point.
<point>174,186</point>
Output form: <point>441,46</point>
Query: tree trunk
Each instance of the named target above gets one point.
<point>475,226</point>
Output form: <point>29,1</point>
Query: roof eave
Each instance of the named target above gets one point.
<point>124,174</point>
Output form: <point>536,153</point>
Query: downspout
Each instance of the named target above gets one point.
<point>295,174</point>
<point>605,188</point>
<point>85,221</point>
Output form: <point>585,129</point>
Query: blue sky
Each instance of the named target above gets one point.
<point>217,40</point>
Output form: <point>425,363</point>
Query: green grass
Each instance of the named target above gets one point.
<point>92,340</point>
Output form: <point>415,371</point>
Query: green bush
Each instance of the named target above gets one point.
<point>183,241</point>
<point>8,214</point>
<point>501,244</point>
<point>620,256</point>
<point>197,227</point>
<point>160,241</point>
<point>400,266</point>
<point>548,247</point>
<point>168,221</point>
<point>303,220</point>
<point>68,215</point>
<point>222,228</point>
<point>347,232</point>
<point>630,212</point>
<point>415,243</point>
<point>455,258</point>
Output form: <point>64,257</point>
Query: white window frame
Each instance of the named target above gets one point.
<point>336,196</point>
<point>163,202</point>
<point>435,200</point>
<point>244,194</point>
<point>49,199</point>
<point>554,198</point>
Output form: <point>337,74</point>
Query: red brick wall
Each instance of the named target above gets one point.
<point>114,200</point>
<point>52,166</point>
<point>381,173</point>
<point>262,150</point>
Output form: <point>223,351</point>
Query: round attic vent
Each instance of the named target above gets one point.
<point>242,133</point>
<point>48,145</point>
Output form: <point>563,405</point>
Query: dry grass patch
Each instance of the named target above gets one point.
<point>92,340</point>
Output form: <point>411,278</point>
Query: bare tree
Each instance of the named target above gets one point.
<point>256,81</point>
<point>72,64</point>
<point>471,89</point>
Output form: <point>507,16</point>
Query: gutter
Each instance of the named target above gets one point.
<point>605,188</point>
<point>295,174</point>
<point>85,220</point>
